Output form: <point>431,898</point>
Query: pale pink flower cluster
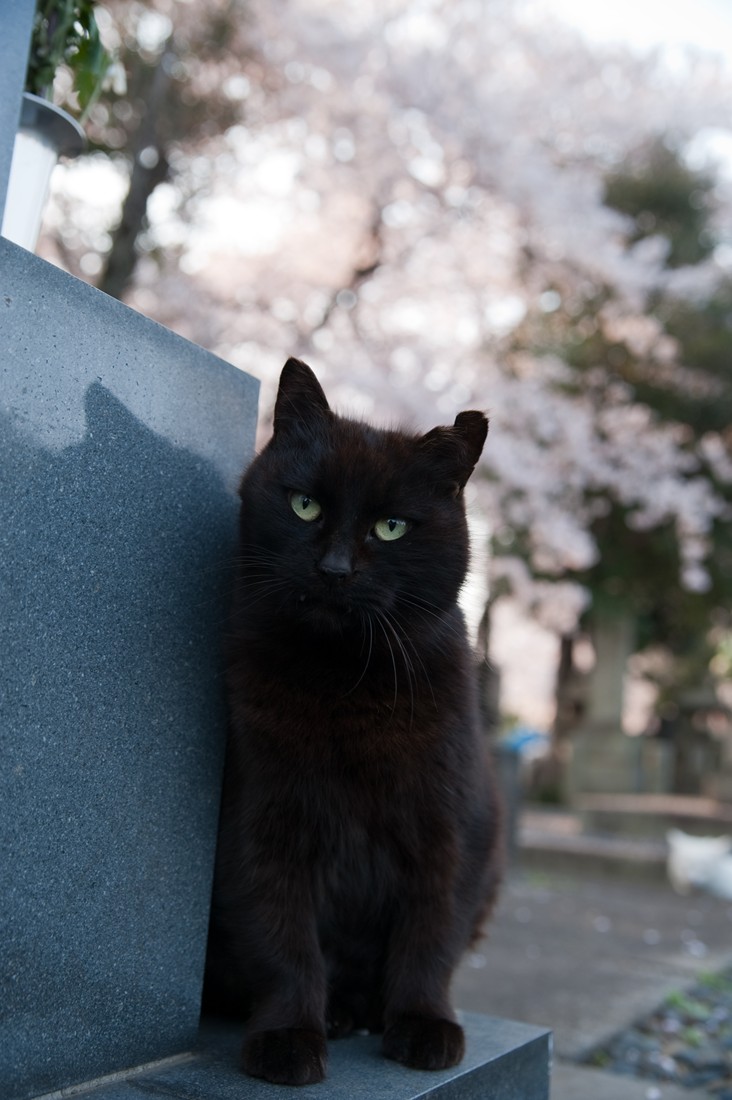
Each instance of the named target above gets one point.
<point>417,179</point>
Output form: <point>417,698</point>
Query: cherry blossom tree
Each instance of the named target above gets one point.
<point>408,193</point>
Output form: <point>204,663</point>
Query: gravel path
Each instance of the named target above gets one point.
<point>687,1040</point>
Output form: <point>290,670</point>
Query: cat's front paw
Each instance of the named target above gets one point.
<point>285,1056</point>
<point>424,1043</point>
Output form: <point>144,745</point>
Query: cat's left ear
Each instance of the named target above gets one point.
<point>456,450</point>
<point>300,398</point>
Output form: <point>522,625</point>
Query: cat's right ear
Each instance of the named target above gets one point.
<point>300,398</point>
<point>456,450</point>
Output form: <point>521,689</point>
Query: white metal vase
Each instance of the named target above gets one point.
<point>45,133</point>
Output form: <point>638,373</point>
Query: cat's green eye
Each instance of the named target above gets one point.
<point>390,529</point>
<point>305,507</point>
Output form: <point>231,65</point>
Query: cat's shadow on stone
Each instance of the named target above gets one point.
<point>120,547</point>
<point>116,553</point>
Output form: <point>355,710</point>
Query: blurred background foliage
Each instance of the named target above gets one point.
<point>65,33</point>
<point>534,235</point>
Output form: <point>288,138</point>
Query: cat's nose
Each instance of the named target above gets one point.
<point>336,563</point>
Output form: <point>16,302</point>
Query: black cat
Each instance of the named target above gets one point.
<point>358,851</point>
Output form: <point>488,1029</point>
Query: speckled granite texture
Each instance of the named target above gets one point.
<point>120,449</point>
<point>503,1061</point>
<point>17,20</point>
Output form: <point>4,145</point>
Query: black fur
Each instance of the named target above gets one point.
<point>359,830</point>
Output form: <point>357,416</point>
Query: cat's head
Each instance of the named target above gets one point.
<point>341,520</point>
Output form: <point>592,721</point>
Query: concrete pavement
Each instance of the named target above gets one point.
<point>587,953</point>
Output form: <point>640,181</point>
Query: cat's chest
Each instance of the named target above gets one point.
<point>347,851</point>
<point>369,724</point>
<point>372,825</point>
<point>356,859</point>
<point>347,691</point>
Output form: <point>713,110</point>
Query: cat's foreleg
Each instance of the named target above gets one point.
<point>285,1039</point>
<point>285,1056</point>
<point>421,1030</point>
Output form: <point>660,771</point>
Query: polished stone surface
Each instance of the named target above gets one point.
<point>503,1061</point>
<point>120,449</point>
<point>17,20</point>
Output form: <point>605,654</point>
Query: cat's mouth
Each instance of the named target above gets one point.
<point>327,608</point>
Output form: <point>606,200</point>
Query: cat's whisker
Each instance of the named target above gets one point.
<point>263,589</point>
<point>408,641</point>
<point>368,655</point>
<point>421,602</point>
<point>256,563</point>
<point>411,655</point>
<point>218,597</point>
<point>408,665</point>
<point>393,660</point>
<point>228,564</point>
<point>426,609</point>
<point>253,578</point>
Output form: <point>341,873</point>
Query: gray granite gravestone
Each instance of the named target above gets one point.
<point>16,23</point>
<point>503,1061</point>
<point>120,448</point>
